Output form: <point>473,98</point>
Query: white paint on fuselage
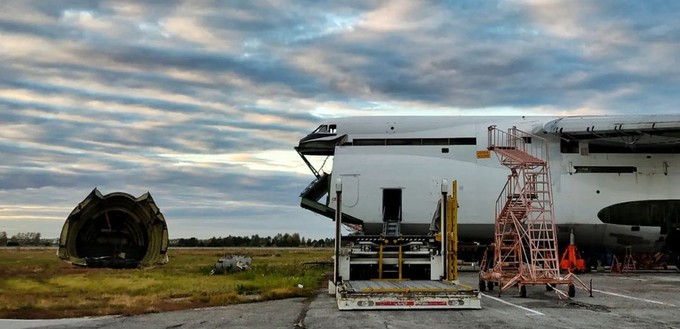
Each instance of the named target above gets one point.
<point>419,171</point>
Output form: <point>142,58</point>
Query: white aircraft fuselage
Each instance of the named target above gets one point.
<point>612,190</point>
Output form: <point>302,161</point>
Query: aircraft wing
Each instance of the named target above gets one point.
<point>608,127</point>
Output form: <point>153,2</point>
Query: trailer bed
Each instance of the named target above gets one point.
<point>420,294</point>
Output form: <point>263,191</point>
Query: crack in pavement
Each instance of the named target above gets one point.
<point>300,321</point>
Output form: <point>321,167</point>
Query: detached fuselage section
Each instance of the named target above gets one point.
<point>615,179</point>
<point>115,230</point>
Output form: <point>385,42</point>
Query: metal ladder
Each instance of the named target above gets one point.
<point>391,228</point>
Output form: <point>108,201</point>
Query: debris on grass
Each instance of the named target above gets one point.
<point>231,263</point>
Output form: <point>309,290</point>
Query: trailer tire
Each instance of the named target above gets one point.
<point>489,285</point>
<point>523,291</point>
<point>482,285</point>
<point>549,287</point>
<point>572,290</point>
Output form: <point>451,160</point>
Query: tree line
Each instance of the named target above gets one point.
<point>23,239</point>
<point>279,240</point>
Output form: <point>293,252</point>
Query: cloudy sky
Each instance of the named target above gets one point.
<point>201,102</point>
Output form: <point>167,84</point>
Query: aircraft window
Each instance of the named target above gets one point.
<point>361,142</point>
<point>417,141</point>
<point>435,141</point>
<point>572,146</point>
<point>463,141</point>
<point>568,146</point>
<point>404,141</point>
<point>604,169</point>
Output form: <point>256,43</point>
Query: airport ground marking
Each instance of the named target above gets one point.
<point>627,278</point>
<point>634,298</point>
<point>533,312</point>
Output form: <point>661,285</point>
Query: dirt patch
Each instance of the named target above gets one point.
<point>178,299</point>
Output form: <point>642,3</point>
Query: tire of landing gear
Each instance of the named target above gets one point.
<point>489,285</point>
<point>482,285</point>
<point>523,291</point>
<point>572,290</point>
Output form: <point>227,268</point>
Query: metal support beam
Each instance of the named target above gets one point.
<point>443,231</point>
<point>452,209</point>
<point>380,262</point>
<point>338,225</point>
<point>314,171</point>
<point>401,261</point>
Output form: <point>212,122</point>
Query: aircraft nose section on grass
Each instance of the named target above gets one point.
<point>115,230</point>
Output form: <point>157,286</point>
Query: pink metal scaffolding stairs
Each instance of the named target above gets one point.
<point>525,242</point>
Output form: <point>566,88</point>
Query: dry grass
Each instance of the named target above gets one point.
<point>36,284</point>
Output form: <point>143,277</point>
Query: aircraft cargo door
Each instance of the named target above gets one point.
<point>391,207</point>
<point>350,190</point>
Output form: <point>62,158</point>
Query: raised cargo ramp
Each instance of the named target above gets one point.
<point>420,294</point>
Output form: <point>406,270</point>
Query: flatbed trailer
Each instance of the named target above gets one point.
<point>399,295</point>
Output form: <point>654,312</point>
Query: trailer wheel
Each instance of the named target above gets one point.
<point>572,290</point>
<point>489,285</point>
<point>482,285</point>
<point>523,291</point>
<point>549,287</point>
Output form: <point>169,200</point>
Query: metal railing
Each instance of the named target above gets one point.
<point>515,139</point>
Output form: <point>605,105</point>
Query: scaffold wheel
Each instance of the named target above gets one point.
<point>572,290</point>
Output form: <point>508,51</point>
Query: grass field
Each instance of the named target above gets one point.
<point>34,283</point>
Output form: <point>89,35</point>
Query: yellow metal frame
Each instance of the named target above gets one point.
<point>380,262</point>
<point>452,232</point>
<point>400,261</point>
<point>399,264</point>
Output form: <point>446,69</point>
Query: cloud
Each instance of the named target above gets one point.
<point>201,103</point>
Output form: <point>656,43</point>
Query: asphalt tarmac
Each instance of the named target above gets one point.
<point>619,301</point>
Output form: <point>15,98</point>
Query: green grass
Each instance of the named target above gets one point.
<point>36,284</point>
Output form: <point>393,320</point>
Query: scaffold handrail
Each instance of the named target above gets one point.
<point>516,139</point>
